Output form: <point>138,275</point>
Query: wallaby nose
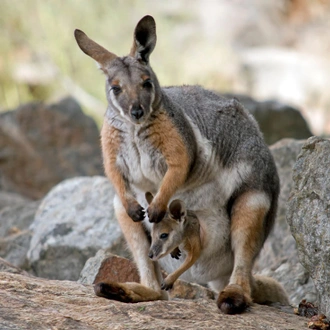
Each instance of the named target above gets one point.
<point>150,255</point>
<point>137,112</point>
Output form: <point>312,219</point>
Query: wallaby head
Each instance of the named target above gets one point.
<point>131,86</point>
<point>167,234</point>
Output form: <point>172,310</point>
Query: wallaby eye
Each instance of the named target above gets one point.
<point>116,89</point>
<point>147,83</point>
<point>163,236</point>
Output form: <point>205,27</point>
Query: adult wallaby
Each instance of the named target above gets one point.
<point>184,143</point>
<point>178,231</point>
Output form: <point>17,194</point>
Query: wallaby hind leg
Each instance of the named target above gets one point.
<point>150,273</point>
<point>247,236</point>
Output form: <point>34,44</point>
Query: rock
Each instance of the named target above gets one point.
<point>73,222</point>
<point>16,218</point>
<point>14,248</point>
<point>279,256</point>
<point>35,303</point>
<point>15,235</point>
<point>309,214</point>
<point>276,120</point>
<point>105,266</point>
<point>10,199</point>
<point>41,145</point>
<point>108,267</point>
<point>9,268</point>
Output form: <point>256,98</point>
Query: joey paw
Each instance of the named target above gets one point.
<point>166,286</point>
<point>136,211</point>
<point>176,253</point>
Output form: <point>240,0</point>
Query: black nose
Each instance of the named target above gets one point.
<point>150,255</point>
<point>137,112</point>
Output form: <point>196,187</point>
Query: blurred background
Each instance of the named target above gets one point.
<point>267,49</point>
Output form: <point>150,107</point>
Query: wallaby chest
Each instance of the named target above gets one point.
<point>139,160</point>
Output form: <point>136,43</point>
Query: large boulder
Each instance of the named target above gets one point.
<point>279,256</point>
<point>35,303</point>
<point>41,145</point>
<point>73,222</point>
<point>276,120</point>
<point>309,214</point>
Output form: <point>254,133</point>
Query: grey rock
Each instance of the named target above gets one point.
<point>279,256</point>
<point>17,217</point>
<point>14,248</point>
<point>309,214</point>
<point>15,235</point>
<point>73,222</point>
<point>276,120</point>
<point>11,199</point>
<point>5,266</point>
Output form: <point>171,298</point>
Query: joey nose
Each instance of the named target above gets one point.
<point>137,112</point>
<point>150,255</point>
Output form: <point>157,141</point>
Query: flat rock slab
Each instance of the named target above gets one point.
<point>35,303</point>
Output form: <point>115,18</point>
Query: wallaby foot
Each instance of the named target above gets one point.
<point>113,291</point>
<point>233,300</point>
<point>128,292</point>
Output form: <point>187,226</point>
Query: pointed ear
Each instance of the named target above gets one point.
<point>144,39</point>
<point>178,209</point>
<point>149,197</point>
<point>92,49</point>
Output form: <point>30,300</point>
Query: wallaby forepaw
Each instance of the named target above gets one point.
<point>155,213</point>
<point>166,285</point>
<point>136,211</point>
<point>176,253</point>
<point>112,291</point>
<point>233,300</point>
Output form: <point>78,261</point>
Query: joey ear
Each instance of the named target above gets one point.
<point>144,39</point>
<point>92,49</point>
<point>149,197</point>
<point>177,209</point>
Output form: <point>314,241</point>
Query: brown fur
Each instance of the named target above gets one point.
<point>165,138</point>
<point>247,238</point>
<point>110,142</point>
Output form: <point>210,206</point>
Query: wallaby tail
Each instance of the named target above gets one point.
<point>266,290</point>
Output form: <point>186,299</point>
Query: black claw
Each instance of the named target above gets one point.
<point>137,214</point>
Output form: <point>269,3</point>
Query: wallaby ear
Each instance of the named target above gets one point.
<point>178,209</point>
<point>144,39</point>
<point>149,197</point>
<point>92,49</point>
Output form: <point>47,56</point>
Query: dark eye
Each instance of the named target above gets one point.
<point>163,236</point>
<point>147,84</point>
<point>116,89</point>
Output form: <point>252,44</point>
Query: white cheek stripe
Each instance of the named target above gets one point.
<point>116,104</point>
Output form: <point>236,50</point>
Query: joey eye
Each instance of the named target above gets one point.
<point>116,89</point>
<point>163,236</point>
<point>147,83</point>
